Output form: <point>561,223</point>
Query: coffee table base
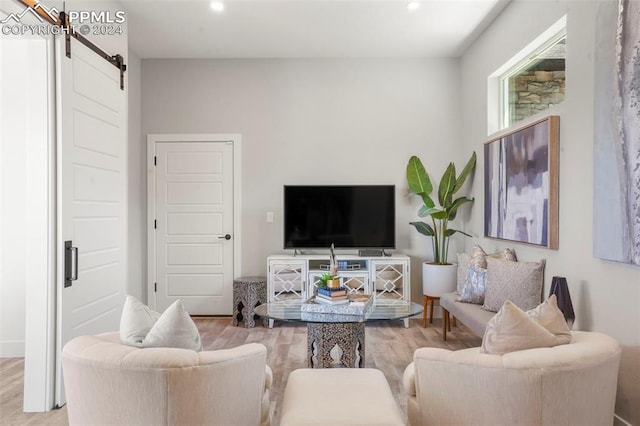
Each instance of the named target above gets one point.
<point>323,337</point>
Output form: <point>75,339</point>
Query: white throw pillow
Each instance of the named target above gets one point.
<point>548,315</point>
<point>136,321</point>
<point>174,329</point>
<point>144,328</point>
<point>512,329</point>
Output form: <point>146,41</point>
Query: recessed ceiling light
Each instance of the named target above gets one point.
<point>413,5</point>
<point>218,6</point>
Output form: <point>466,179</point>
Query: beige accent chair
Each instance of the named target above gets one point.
<point>573,384</point>
<point>108,383</point>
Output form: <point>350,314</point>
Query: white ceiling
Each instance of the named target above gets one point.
<point>306,28</point>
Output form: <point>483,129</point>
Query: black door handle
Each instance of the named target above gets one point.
<point>226,237</point>
<point>70,263</point>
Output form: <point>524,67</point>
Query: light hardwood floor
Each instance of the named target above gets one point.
<point>389,348</point>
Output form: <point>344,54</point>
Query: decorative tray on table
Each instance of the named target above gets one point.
<point>358,304</point>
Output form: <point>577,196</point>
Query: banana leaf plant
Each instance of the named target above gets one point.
<point>447,208</point>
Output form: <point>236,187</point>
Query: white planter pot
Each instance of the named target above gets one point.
<point>438,279</point>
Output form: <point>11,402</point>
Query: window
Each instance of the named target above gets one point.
<point>531,81</point>
<point>534,84</point>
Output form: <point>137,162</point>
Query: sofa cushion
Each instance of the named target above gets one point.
<point>339,396</point>
<point>473,316</point>
<point>142,327</point>
<point>519,282</point>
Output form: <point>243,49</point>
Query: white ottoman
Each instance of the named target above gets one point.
<point>339,396</point>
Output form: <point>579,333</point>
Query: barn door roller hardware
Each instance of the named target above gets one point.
<point>115,60</point>
<point>63,22</point>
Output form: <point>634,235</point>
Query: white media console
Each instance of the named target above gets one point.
<point>296,277</point>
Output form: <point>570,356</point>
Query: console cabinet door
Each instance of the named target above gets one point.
<point>287,280</point>
<point>390,279</point>
<point>356,282</point>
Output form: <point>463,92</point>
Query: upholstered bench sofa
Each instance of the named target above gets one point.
<point>473,316</point>
<point>485,282</point>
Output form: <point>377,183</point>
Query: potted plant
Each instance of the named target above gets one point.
<point>329,281</point>
<point>437,278</point>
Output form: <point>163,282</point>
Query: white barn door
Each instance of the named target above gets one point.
<point>192,209</point>
<point>92,192</point>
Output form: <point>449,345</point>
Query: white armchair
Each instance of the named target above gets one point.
<point>108,383</point>
<point>573,384</point>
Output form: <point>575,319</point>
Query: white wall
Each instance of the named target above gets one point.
<point>137,195</point>
<point>312,122</point>
<point>13,161</point>
<point>24,203</point>
<point>606,295</point>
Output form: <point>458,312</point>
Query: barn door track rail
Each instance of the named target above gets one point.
<point>63,22</point>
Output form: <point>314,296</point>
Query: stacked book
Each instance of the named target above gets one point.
<point>352,304</point>
<point>332,296</point>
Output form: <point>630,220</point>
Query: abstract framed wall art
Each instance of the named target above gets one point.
<point>616,174</point>
<point>521,184</point>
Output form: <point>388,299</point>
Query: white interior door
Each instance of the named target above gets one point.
<point>194,244</point>
<point>91,194</point>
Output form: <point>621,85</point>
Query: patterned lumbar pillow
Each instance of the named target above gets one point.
<point>144,328</point>
<point>478,257</point>
<point>474,287</point>
<point>463,264</point>
<point>519,282</point>
<point>465,261</point>
<point>512,329</point>
<point>506,254</point>
<point>474,284</point>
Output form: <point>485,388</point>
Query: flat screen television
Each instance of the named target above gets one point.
<point>348,216</point>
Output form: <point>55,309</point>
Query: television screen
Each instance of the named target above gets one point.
<point>361,216</point>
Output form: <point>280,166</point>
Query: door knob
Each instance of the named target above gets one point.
<point>226,237</point>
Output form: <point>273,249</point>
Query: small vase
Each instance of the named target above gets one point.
<point>560,288</point>
<point>335,283</point>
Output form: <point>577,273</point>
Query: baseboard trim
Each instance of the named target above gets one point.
<point>619,421</point>
<point>12,349</point>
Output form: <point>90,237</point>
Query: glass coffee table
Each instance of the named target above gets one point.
<point>326,331</point>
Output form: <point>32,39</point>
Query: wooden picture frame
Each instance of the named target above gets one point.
<point>521,184</point>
